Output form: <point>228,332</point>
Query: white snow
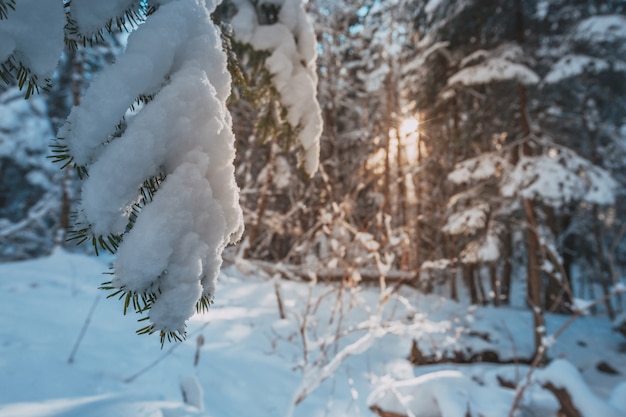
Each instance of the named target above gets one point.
<point>479,168</point>
<point>184,133</point>
<point>192,391</point>
<point>92,15</point>
<point>483,250</point>
<point>558,178</point>
<point>494,69</point>
<point>432,6</point>
<point>293,47</point>
<point>33,34</point>
<point>563,374</point>
<point>606,28</point>
<point>430,395</point>
<point>251,363</point>
<point>574,65</point>
<point>439,264</point>
<point>542,9</point>
<point>467,221</point>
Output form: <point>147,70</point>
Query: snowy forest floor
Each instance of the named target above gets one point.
<point>337,352</point>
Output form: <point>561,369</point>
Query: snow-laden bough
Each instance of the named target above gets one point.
<point>169,258</point>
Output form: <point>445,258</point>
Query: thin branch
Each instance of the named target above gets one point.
<point>70,359</point>
<point>543,349</point>
<point>160,358</point>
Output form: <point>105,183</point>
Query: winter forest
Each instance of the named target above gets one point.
<point>322,208</point>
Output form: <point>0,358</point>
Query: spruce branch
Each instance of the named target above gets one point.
<point>142,301</point>
<point>13,71</point>
<point>5,5</point>
<point>128,21</point>
<point>61,155</point>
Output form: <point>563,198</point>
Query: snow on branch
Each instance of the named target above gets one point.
<point>574,65</point>
<point>478,169</point>
<point>486,249</point>
<point>562,377</point>
<point>314,376</point>
<point>441,393</point>
<point>607,28</point>
<point>468,221</point>
<point>91,16</point>
<point>27,55</point>
<point>558,177</point>
<point>181,143</point>
<point>500,64</point>
<point>283,28</point>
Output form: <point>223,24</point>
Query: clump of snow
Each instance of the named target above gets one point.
<point>501,64</point>
<point>477,169</point>
<point>483,250</point>
<point>492,70</point>
<point>192,392</point>
<point>292,44</point>
<point>562,374</point>
<point>185,134</point>
<point>467,221</point>
<point>33,34</point>
<point>282,173</point>
<point>92,15</point>
<point>559,178</point>
<point>581,305</point>
<point>442,393</point>
<point>607,28</point>
<point>572,65</point>
<point>439,264</point>
<point>542,9</point>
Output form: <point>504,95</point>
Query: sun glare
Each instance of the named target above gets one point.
<point>408,126</point>
<point>409,138</point>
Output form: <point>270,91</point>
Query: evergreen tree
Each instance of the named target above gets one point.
<point>171,201</point>
<point>484,96</point>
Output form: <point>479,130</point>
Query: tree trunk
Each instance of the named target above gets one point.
<point>387,134</point>
<point>532,239</point>
<point>604,276</point>
<point>479,283</point>
<point>533,280</point>
<point>507,268</point>
<point>495,284</point>
<point>468,275</point>
<point>265,192</point>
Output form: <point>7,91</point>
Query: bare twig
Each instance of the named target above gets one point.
<point>514,348</point>
<point>70,359</point>
<point>160,358</point>
<point>279,298</point>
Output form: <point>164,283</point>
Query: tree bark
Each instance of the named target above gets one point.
<point>533,274</point>
<point>568,409</point>
<point>495,284</point>
<point>507,268</point>
<point>604,278</point>
<point>468,274</point>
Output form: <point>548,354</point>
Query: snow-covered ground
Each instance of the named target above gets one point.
<point>253,364</point>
